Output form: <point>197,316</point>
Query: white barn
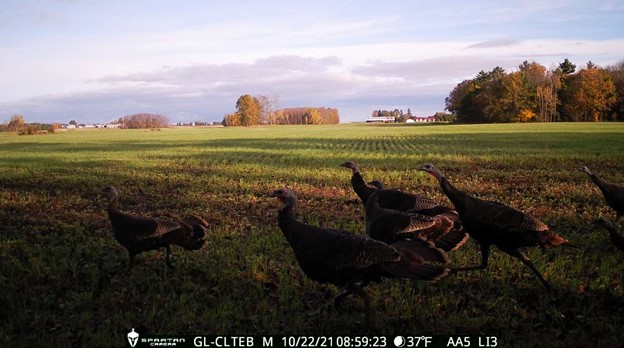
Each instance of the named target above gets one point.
<point>381,119</point>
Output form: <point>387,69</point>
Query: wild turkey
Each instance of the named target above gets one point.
<point>613,193</point>
<point>389,225</point>
<point>344,259</point>
<point>394,199</point>
<point>616,238</point>
<point>138,234</point>
<point>493,223</point>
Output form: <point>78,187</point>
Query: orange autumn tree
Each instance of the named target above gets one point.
<point>589,95</point>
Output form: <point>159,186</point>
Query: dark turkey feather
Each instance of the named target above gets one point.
<point>391,225</point>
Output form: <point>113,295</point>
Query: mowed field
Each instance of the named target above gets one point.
<point>62,274</point>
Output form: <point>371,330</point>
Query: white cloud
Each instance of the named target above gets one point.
<point>494,43</point>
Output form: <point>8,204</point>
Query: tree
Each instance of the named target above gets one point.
<point>590,94</point>
<point>249,110</point>
<point>444,117</point>
<point>548,96</point>
<point>313,117</point>
<point>535,94</point>
<point>525,115</point>
<point>540,88</point>
<point>461,102</point>
<point>533,76</point>
<point>232,120</point>
<point>616,72</point>
<point>503,98</point>
<point>567,67</point>
<point>267,107</point>
<point>470,98</point>
<point>145,120</point>
<point>16,123</point>
<point>307,115</point>
<point>53,127</point>
<point>73,122</point>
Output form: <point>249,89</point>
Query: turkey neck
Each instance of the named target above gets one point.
<point>456,196</point>
<point>360,188</point>
<point>599,182</point>
<point>112,205</point>
<point>286,219</point>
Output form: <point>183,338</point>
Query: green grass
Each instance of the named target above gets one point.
<point>62,273</point>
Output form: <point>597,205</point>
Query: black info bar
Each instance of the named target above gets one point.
<point>139,340</point>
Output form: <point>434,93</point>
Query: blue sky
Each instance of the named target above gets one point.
<point>94,61</point>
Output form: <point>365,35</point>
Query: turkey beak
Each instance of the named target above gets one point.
<point>350,166</point>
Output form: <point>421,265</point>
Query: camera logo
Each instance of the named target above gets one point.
<point>133,338</point>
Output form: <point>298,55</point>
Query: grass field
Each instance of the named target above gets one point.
<point>62,273</point>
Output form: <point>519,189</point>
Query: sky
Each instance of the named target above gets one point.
<point>94,61</point>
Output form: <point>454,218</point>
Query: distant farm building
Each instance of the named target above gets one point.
<point>422,119</point>
<point>381,119</point>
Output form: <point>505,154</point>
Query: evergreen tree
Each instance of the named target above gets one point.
<point>567,67</point>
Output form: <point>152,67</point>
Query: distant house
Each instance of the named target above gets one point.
<point>423,119</point>
<point>112,125</point>
<point>70,126</point>
<point>381,119</point>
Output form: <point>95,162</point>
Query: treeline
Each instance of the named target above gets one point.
<point>306,115</point>
<point>393,113</point>
<point>144,120</point>
<point>255,110</point>
<point>398,115</point>
<point>18,125</point>
<point>536,94</point>
<point>444,117</point>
